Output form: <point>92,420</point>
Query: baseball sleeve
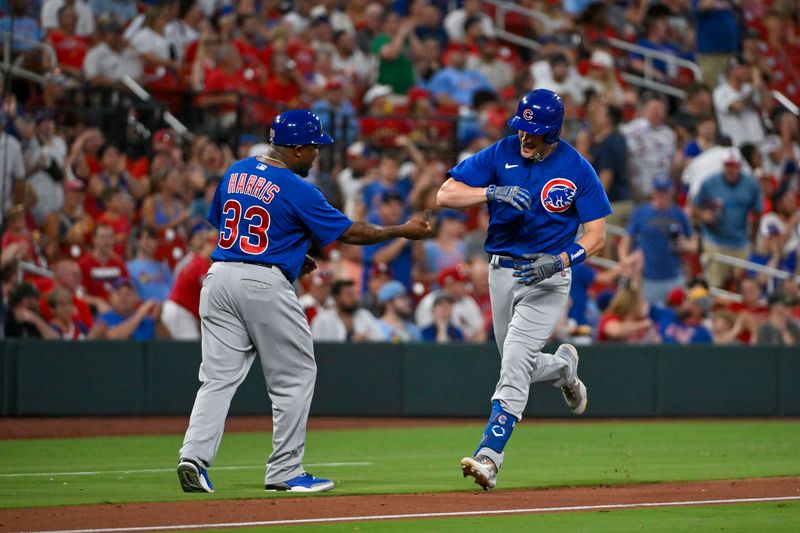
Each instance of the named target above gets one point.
<point>477,170</point>
<point>591,202</point>
<point>216,208</point>
<point>323,220</point>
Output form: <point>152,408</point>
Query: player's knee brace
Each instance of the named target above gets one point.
<point>498,430</point>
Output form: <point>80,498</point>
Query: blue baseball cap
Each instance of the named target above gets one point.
<point>391,290</point>
<point>663,183</point>
<point>297,127</point>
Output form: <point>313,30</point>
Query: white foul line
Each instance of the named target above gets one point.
<point>425,515</point>
<point>152,470</point>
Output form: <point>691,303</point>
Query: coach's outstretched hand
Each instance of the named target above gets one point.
<point>510,194</point>
<point>534,268</point>
<point>417,228</point>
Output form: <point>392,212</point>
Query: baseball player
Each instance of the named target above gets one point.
<point>539,191</point>
<point>266,214</point>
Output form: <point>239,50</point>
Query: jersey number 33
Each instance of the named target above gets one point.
<point>254,241</point>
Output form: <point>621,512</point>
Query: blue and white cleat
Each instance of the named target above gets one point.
<point>305,482</point>
<point>574,393</point>
<point>193,477</point>
<point>482,469</point>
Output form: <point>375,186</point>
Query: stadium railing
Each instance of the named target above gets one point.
<point>13,65</point>
<point>646,80</point>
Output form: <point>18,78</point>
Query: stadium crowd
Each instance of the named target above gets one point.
<point>104,241</point>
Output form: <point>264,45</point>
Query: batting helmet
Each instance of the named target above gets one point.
<point>540,112</point>
<point>296,127</point>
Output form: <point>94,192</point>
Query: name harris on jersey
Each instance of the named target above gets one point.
<point>253,185</point>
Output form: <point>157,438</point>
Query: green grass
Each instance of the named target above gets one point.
<point>763,517</point>
<point>405,460</point>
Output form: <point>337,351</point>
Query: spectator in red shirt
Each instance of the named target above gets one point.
<point>752,308</point>
<point>198,234</point>
<point>245,43</point>
<point>118,215</point>
<point>626,319</point>
<point>70,48</point>
<point>102,266</point>
<point>181,312</point>
<point>227,81</point>
<point>284,83</point>
<point>67,275</point>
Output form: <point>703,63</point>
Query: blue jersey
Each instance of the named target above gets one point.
<point>654,231</point>
<point>268,215</point>
<point>565,189</point>
<point>145,331</point>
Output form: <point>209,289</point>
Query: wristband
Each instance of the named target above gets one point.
<point>576,253</point>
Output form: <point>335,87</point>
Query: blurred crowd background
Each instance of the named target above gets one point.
<point>119,117</point>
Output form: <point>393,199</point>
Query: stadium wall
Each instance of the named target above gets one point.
<point>108,378</point>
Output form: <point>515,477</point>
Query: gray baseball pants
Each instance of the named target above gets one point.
<point>524,317</point>
<point>248,311</point>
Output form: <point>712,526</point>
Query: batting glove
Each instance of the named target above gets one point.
<point>510,194</point>
<point>534,268</point>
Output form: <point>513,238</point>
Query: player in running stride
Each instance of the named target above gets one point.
<point>266,214</point>
<point>539,190</point>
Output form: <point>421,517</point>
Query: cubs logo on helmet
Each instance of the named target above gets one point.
<point>527,114</point>
<point>558,194</point>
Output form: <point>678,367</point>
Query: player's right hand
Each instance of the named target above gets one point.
<point>417,229</point>
<point>514,195</point>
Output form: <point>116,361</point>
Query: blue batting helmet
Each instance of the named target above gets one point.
<point>540,112</point>
<point>296,127</point>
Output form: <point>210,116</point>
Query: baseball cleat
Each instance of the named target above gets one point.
<point>305,482</point>
<point>193,477</point>
<point>482,469</point>
<point>575,393</point>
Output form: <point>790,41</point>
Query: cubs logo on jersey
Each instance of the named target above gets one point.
<point>558,194</point>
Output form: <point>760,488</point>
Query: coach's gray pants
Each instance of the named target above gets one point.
<point>248,310</point>
<point>524,317</point>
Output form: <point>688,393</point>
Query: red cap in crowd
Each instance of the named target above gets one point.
<point>732,157</point>
<point>164,136</point>
<point>676,297</point>
<point>333,84</point>
<point>451,274</point>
